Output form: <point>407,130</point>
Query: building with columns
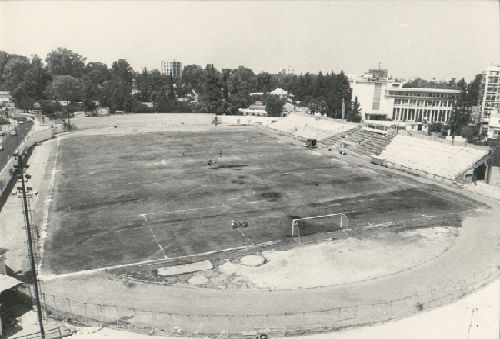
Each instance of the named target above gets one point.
<point>387,99</point>
<point>421,104</point>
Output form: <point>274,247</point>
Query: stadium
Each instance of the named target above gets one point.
<point>190,224</point>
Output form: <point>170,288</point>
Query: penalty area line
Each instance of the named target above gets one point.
<point>154,236</point>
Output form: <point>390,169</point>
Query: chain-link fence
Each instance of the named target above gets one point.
<point>161,323</point>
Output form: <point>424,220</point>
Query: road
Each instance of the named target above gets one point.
<point>10,142</point>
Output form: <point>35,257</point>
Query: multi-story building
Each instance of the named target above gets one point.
<point>386,99</point>
<point>370,92</point>
<point>489,97</point>
<point>494,125</point>
<point>172,67</point>
<point>286,71</point>
<point>421,104</point>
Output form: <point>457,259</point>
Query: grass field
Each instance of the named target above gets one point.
<point>127,198</point>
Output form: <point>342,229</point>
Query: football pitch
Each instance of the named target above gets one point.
<point>121,199</point>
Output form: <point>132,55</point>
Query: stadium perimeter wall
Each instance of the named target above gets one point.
<point>29,140</point>
<point>144,122</point>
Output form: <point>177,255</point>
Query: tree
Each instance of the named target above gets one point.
<point>460,116</point>
<point>421,83</point>
<point>49,107</point>
<point>354,114</point>
<point>264,82</point>
<point>274,106</point>
<point>13,73</point>
<point>435,127</point>
<point>121,70</point>
<point>239,83</point>
<point>40,77</point>
<point>65,88</point>
<point>473,89</point>
<point>193,75</point>
<point>96,73</point>
<point>64,62</point>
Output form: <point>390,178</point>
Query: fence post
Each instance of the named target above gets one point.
<point>171,330</point>
<point>133,324</point>
<point>246,324</point>
<point>85,307</point>
<point>267,328</point>
<point>302,322</point>
<point>152,322</point>
<point>69,304</point>
<point>227,325</point>
<point>100,307</point>
<point>55,306</point>
<point>116,315</point>
<point>285,322</point>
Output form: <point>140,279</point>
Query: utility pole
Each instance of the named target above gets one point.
<point>343,108</point>
<point>20,168</point>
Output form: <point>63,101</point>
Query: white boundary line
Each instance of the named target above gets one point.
<point>49,277</point>
<point>154,236</point>
<point>50,195</point>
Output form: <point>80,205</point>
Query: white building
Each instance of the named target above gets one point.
<point>494,124</point>
<point>371,96</point>
<point>386,99</point>
<point>489,97</point>
<point>280,92</point>
<point>421,104</point>
<point>5,97</point>
<point>172,67</point>
<point>286,71</point>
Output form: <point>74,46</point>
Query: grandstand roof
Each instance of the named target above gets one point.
<point>437,90</point>
<point>7,282</point>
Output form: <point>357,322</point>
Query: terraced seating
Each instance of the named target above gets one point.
<point>432,157</point>
<point>360,141</point>
<point>308,127</point>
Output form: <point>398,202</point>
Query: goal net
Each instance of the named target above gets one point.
<point>320,223</point>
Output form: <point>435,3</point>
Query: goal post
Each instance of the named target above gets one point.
<point>340,219</point>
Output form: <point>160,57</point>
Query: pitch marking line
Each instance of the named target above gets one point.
<point>154,236</point>
<point>113,231</point>
<point>243,234</point>
<point>49,277</point>
<point>240,196</point>
<point>48,205</point>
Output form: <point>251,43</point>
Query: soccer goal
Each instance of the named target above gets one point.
<point>327,221</point>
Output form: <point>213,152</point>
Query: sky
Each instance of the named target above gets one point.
<point>429,39</point>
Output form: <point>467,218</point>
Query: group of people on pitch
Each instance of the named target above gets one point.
<point>236,224</point>
<point>210,161</point>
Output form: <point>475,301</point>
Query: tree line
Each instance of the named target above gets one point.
<point>67,76</point>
